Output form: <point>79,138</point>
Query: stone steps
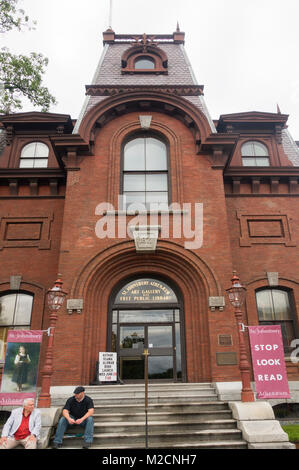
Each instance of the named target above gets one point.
<point>181,407</point>
<point>209,445</point>
<point>179,416</point>
<point>158,393</point>
<point>162,416</point>
<point>157,426</point>
<point>162,439</point>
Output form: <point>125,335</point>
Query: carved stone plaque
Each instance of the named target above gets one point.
<point>74,304</point>
<point>216,302</point>
<point>145,240</point>
<point>272,279</point>
<point>145,122</point>
<point>15,282</point>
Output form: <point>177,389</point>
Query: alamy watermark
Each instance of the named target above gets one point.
<point>173,221</point>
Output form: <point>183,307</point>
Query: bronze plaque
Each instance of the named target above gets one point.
<point>225,340</point>
<point>226,358</point>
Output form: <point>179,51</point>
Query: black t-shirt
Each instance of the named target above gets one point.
<point>78,409</point>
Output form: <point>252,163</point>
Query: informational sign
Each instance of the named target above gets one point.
<point>21,366</point>
<point>268,362</point>
<point>107,367</point>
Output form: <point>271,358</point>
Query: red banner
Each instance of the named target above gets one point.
<point>268,362</point>
<point>21,366</point>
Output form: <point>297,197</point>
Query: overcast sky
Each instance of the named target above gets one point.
<point>244,52</point>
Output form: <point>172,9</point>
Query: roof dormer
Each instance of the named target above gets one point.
<point>144,56</point>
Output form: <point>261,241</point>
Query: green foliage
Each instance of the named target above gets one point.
<point>20,75</point>
<point>292,431</point>
<point>11,17</point>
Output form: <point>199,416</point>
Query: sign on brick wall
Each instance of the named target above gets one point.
<point>21,366</point>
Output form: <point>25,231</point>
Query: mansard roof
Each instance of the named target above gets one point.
<point>109,78</point>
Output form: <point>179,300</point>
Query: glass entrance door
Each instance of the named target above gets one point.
<point>146,313</point>
<point>159,339</point>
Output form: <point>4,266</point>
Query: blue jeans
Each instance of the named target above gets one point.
<point>63,424</point>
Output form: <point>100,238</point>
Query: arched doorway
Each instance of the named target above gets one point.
<point>147,312</point>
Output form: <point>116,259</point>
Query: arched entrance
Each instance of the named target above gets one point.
<point>147,312</point>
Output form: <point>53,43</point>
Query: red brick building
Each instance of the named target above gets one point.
<point>146,205</point>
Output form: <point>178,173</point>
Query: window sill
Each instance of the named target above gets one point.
<point>146,212</point>
<point>147,71</point>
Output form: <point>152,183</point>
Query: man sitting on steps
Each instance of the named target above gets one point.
<point>78,410</point>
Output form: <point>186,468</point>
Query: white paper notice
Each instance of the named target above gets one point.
<point>107,367</point>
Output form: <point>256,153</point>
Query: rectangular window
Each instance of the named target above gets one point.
<point>274,308</point>
<point>15,314</point>
<point>145,176</point>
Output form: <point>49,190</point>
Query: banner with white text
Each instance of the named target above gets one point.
<point>21,366</point>
<point>268,362</point>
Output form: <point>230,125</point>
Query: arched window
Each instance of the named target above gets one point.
<point>254,154</point>
<point>144,58</point>
<point>275,307</point>
<point>34,155</point>
<point>15,314</point>
<point>144,63</point>
<point>145,173</point>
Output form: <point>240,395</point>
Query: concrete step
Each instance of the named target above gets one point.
<point>151,386</point>
<point>197,445</point>
<point>127,427</point>
<point>161,426</point>
<point>139,400</point>
<point>163,439</point>
<point>154,399</point>
<point>179,407</point>
<point>136,393</point>
<point>161,416</point>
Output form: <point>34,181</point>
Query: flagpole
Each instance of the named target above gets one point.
<point>110,15</point>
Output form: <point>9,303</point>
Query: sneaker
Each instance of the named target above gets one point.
<point>86,445</point>
<point>56,446</point>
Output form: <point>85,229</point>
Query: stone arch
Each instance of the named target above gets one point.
<point>124,102</point>
<point>187,271</point>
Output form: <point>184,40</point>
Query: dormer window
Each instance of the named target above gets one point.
<point>144,63</point>
<point>255,154</point>
<point>34,155</point>
<point>144,57</point>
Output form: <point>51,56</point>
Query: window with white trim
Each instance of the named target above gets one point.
<point>275,307</point>
<point>255,154</point>
<point>145,172</point>
<point>15,314</point>
<point>34,155</point>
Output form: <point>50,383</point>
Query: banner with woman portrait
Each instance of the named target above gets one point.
<point>20,371</point>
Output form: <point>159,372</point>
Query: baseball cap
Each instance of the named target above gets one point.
<point>79,390</point>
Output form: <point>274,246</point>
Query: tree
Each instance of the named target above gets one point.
<point>11,17</point>
<point>20,75</point>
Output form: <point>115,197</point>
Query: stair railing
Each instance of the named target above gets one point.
<point>146,354</point>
